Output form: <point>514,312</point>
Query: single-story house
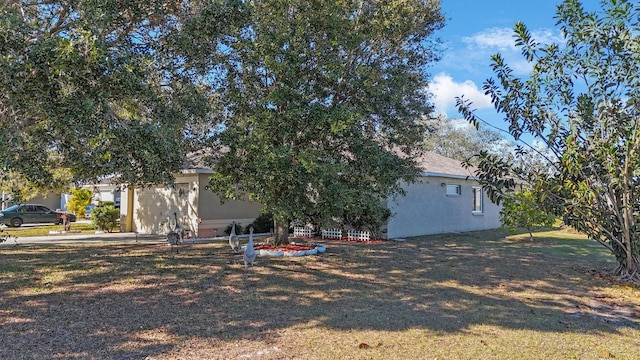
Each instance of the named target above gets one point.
<point>103,190</point>
<point>151,210</point>
<point>50,200</point>
<point>446,198</point>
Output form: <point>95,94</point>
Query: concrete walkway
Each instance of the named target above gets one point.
<point>85,238</point>
<point>119,237</point>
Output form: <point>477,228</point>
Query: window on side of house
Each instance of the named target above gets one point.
<point>453,190</point>
<point>477,200</point>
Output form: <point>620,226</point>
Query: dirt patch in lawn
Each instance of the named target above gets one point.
<point>475,295</point>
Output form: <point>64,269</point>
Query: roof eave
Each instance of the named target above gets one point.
<point>196,171</point>
<point>444,175</point>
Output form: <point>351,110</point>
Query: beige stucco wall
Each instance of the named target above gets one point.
<point>216,216</point>
<point>197,208</point>
<point>52,201</point>
<point>154,206</point>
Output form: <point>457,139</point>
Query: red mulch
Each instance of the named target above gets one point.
<point>298,247</point>
<point>344,239</point>
<point>287,247</point>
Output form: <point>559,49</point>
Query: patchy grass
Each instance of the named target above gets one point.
<point>84,228</point>
<point>481,295</point>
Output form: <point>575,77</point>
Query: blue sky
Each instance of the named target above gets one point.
<point>474,30</point>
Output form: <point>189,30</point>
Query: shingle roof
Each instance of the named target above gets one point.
<point>198,160</point>
<point>433,164</point>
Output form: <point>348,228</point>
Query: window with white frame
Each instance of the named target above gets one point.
<point>453,190</point>
<point>477,200</point>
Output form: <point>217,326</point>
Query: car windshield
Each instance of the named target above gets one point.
<point>12,208</point>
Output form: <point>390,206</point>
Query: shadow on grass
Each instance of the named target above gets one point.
<point>135,301</point>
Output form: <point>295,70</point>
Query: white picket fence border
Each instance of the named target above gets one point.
<point>353,235</point>
<point>332,233</point>
<point>300,231</point>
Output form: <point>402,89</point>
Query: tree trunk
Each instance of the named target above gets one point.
<point>281,229</point>
<point>630,269</point>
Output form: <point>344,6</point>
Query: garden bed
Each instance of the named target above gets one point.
<point>292,249</point>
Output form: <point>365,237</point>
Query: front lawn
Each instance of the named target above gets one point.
<point>45,230</point>
<point>480,295</point>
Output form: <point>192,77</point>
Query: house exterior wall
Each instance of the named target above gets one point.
<point>153,207</point>
<point>52,201</point>
<point>148,210</point>
<point>215,217</point>
<point>427,209</point>
<point>107,194</point>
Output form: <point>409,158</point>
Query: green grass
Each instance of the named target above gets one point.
<point>479,295</point>
<point>44,230</point>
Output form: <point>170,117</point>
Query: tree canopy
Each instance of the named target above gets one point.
<point>324,100</point>
<point>97,87</point>
<point>521,210</point>
<point>310,108</point>
<point>457,139</point>
<point>581,100</point>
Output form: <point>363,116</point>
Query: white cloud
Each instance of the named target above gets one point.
<point>445,91</point>
<point>486,43</point>
<point>471,61</point>
<point>491,40</point>
<point>503,39</point>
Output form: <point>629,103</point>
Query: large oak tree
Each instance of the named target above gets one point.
<point>99,87</point>
<point>323,102</point>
